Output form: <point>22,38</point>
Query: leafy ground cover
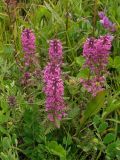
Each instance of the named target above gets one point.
<point>59,80</point>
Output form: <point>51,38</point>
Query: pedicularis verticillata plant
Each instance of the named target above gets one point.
<point>96,53</point>
<point>28,44</point>
<point>50,113</point>
<point>54,88</point>
<point>30,64</point>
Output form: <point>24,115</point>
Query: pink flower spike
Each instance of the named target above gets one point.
<point>54,87</point>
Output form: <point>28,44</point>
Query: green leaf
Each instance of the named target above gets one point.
<point>3,130</point>
<point>111,62</point>
<point>114,105</point>
<point>3,156</point>
<point>74,112</point>
<point>3,15</point>
<point>55,14</point>
<point>96,119</point>
<point>8,49</point>
<point>4,117</point>
<point>117,62</point>
<point>6,143</point>
<point>93,107</point>
<point>40,13</point>
<point>80,60</point>
<point>109,138</point>
<point>56,149</point>
<point>102,127</point>
<point>113,150</point>
<point>67,140</point>
<point>83,73</point>
<point>114,63</point>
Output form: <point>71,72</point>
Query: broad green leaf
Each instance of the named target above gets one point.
<point>111,62</point>
<point>80,60</point>
<point>113,150</point>
<point>114,63</point>
<point>83,73</point>
<point>67,140</point>
<point>93,107</point>
<point>6,142</point>
<point>110,137</point>
<point>117,62</point>
<point>56,149</point>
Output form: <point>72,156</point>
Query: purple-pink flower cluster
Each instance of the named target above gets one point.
<point>96,53</point>
<point>104,20</point>
<point>54,88</point>
<point>30,67</point>
<point>28,44</point>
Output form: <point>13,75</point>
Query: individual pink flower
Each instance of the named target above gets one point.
<point>101,15</point>
<point>104,20</point>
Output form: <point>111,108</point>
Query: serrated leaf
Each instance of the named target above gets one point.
<point>56,149</point>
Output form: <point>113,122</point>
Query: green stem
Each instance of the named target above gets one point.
<point>66,23</point>
<point>99,154</point>
<point>18,149</point>
<point>95,16</point>
<point>116,124</point>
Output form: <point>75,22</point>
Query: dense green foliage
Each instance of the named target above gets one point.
<point>91,129</point>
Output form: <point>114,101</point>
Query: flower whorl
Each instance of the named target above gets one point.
<point>96,53</point>
<point>28,44</point>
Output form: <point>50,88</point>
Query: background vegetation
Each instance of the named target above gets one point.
<point>91,129</point>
